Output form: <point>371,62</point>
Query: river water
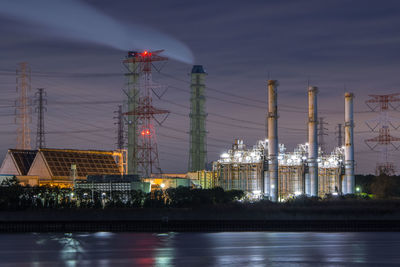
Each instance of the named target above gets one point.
<point>200,249</point>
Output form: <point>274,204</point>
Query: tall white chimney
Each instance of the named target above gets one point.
<point>312,140</point>
<point>273,139</point>
<point>349,143</point>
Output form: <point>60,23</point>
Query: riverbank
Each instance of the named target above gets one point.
<point>202,226</point>
<point>303,218</point>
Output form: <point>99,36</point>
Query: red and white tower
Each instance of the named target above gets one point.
<point>145,114</point>
<point>384,141</point>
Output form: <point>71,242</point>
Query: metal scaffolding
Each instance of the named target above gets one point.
<point>247,176</point>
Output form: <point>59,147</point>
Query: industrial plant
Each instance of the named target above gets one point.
<point>265,170</point>
<point>270,170</point>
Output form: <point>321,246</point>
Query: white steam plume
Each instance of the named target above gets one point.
<point>76,20</point>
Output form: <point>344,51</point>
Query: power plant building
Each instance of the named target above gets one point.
<point>243,168</point>
<point>268,169</point>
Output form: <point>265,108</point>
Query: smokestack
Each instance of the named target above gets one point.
<point>273,139</point>
<point>312,140</point>
<point>198,116</point>
<point>349,144</point>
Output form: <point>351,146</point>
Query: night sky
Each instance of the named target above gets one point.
<point>330,44</point>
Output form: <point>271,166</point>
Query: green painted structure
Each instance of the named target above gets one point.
<point>132,87</point>
<point>198,115</point>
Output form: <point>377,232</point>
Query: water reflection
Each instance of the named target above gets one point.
<point>164,253</point>
<point>200,249</point>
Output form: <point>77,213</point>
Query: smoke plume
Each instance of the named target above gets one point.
<point>73,19</point>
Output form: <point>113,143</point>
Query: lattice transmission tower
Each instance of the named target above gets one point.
<point>120,128</point>
<point>40,109</point>
<point>142,142</point>
<point>339,134</point>
<point>23,110</point>
<point>198,115</point>
<point>322,133</point>
<point>383,124</point>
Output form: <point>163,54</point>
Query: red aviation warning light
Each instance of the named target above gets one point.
<point>146,53</point>
<point>146,57</point>
<point>145,132</point>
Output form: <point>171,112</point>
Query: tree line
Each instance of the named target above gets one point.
<point>13,196</point>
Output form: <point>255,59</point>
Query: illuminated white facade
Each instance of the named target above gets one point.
<point>243,168</point>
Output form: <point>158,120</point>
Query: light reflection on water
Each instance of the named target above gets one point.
<point>200,249</point>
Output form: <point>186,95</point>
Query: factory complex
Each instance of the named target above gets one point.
<point>264,170</point>
<point>246,169</point>
<point>268,169</point>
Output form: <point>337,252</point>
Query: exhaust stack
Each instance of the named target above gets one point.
<point>312,140</point>
<point>349,181</point>
<point>273,139</point>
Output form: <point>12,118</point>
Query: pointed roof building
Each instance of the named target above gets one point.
<point>18,161</point>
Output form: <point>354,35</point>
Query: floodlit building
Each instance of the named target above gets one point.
<point>244,169</point>
<point>241,168</point>
<point>58,167</point>
<point>106,184</point>
<point>17,162</point>
<point>203,179</point>
<point>53,166</point>
<point>268,169</point>
<point>162,183</point>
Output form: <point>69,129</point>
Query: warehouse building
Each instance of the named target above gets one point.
<point>17,162</point>
<point>53,166</point>
<point>58,167</point>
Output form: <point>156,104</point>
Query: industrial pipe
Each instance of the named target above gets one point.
<point>307,184</point>
<point>312,140</point>
<point>273,139</point>
<point>349,143</point>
